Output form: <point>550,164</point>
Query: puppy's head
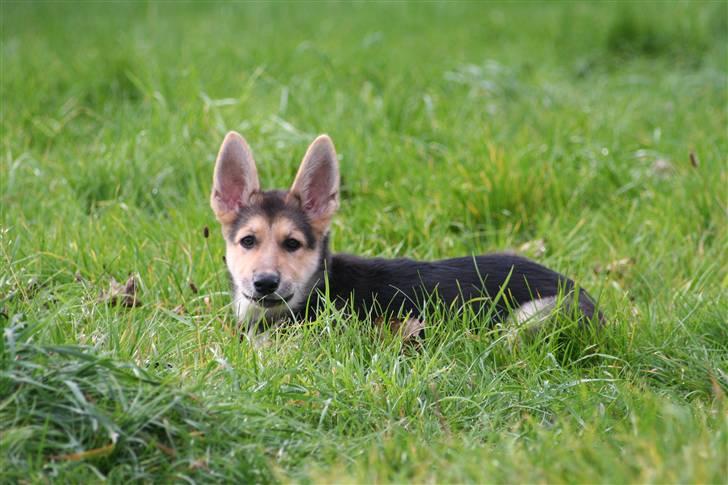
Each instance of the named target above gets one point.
<point>274,239</point>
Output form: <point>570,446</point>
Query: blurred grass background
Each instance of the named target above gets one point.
<point>562,131</point>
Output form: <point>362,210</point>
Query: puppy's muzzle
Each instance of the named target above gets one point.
<point>266,283</point>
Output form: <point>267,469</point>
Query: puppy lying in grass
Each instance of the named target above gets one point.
<point>280,266</point>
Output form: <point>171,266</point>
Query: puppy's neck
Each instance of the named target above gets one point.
<point>318,280</point>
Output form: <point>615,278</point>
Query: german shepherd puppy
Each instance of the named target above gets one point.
<point>280,267</point>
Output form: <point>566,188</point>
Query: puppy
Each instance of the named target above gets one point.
<point>280,267</point>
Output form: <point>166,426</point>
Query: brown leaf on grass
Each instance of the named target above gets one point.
<point>82,455</point>
<point>179,309</point>
<point>170,452</point>
<point>297,402</point>
<point>694,160</point>
<point>124,295</point>
<point>193,287</point>
<point>412,327</point>
<point>408,328</point>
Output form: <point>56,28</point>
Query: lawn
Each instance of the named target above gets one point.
<point>591,137</point>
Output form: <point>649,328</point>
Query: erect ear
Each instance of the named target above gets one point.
<point>235,179</point>
<point>317,182</point>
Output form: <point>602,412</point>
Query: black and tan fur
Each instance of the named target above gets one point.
<point>280,266</point>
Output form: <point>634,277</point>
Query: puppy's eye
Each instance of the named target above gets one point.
<point>291,244</point>
<point>247,242</point>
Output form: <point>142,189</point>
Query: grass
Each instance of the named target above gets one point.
<point>561,131</point>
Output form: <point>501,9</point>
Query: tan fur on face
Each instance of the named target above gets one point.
<point>269,255</point>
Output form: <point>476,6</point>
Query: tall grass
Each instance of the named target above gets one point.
<point>591,137</point>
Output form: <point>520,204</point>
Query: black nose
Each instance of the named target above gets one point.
<point>266,283</point>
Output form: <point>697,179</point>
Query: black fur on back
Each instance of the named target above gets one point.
<point>404,286</point>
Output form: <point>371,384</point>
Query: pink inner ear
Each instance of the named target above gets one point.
<point>317,192</point>
<point>231,202</point>
<point>230,188</point>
